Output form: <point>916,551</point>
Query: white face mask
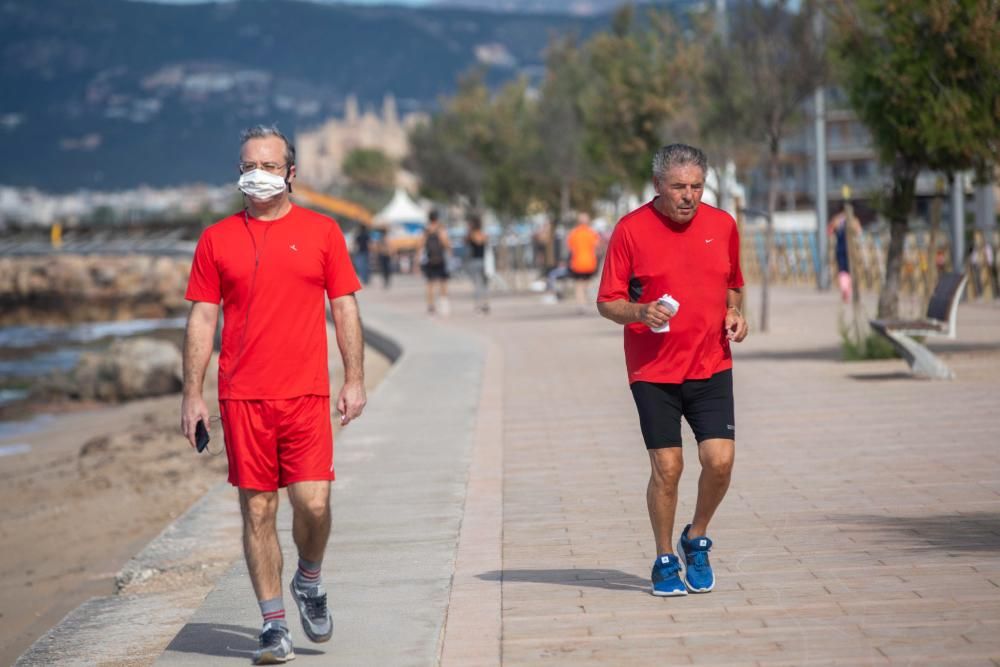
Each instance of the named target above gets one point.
<point>261,185</point>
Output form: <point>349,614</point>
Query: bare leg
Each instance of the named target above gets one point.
<point>661,495</point>
<point>581,291</point>
<point>716,456</point>
<point>445,307</point>
<point>260,541</point>
<point>430,296</point>
<point>479,286</point>
<point>310,518</point>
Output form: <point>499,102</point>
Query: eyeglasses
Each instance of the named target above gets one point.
<point>266,166</point>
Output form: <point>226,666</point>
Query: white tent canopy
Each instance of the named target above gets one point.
<point>402,210</point>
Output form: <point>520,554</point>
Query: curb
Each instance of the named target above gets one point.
<point>136,625</point>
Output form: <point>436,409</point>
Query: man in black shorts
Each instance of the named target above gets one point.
<point>677,349</point>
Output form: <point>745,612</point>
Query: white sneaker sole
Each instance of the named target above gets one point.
<point>671,594</point>
<point>271,659</point>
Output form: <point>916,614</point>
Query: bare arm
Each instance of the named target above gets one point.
<point>198,338</point>
<point>734,299</point>
<point>350,339</point>
<point>653,314</point>
<point>736,325</point>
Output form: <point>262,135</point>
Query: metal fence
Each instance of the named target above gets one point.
<point>795,258</point>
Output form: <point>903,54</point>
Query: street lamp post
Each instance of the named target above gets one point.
<point>822,266</point>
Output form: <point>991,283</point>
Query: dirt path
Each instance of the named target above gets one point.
<point>92,490</point>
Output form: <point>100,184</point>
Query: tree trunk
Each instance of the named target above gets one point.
<point>932,244</point>
<point>852,230</point>
<point>904,178</point>
<point>564,200</point>
<point>723,183</point>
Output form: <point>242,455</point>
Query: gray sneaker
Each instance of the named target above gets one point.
<point>275,645</point>
<point>316,620</point>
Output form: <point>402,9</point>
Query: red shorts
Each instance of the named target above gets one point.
<point>274,443</point>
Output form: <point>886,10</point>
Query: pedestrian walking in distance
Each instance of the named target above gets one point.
<point>672,277</point>
<point>582,243</point>
<point>269,266</point>
<point>434,251</point>
<point>475,263</point>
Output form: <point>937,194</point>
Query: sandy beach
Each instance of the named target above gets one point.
<point>86,490</point>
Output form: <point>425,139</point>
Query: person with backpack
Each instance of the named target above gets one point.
<point>434,251</point>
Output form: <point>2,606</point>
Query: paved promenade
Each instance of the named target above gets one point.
<point>491,505</point>
<point>862,527</point>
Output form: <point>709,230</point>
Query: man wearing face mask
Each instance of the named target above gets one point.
<point>269,267</point>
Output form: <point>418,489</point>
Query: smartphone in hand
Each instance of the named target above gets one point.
<point>201,436</point>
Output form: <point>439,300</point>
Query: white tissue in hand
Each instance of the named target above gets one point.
<point>672,305</point>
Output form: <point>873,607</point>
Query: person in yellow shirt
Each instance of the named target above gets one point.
<point>583,242</point>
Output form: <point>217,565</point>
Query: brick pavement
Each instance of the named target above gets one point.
<point>491,507</point>
<point>862,527</point>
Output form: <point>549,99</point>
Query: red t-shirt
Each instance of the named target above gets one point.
<point>278,349</point>
<point>696,264</point>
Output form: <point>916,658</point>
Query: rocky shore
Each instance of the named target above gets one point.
<point>129,369</point>
<point>62,289</point>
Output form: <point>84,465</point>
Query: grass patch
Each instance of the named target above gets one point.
<point>859,343</point>
<point>872,346</point>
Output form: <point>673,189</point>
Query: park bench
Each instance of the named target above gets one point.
<point>942,313</point>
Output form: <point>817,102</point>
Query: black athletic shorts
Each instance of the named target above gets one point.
<point>435,271</point>
<point>706,404</point>
<point>582,276</point>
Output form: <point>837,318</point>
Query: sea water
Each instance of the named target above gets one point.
<point>29,352</point>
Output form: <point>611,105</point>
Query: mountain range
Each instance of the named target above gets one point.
<point>108,94</point>
<point>579,7</point>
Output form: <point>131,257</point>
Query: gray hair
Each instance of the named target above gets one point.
<point>264,131</point>
<point>678,155</point>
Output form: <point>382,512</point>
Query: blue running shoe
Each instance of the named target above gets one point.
<point>698,575</point>
<point>667,577</point>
